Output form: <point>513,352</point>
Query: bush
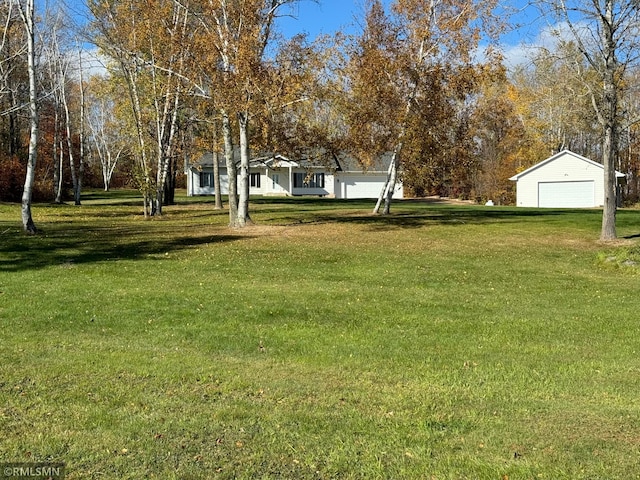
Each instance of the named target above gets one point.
<point>11,179</point>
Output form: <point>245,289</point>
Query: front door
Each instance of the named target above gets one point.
<point>275,183</point>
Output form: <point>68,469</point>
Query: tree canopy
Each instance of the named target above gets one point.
<point>419,83</point>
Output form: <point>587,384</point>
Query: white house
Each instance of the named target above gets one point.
<point>341,178</point>
<point>564,180</point>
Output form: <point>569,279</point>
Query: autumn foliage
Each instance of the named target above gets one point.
<point>182,78</point>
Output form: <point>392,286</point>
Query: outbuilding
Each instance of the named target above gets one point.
<point>564,180</point>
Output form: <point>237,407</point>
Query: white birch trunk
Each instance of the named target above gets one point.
<point>78,192</point>
<point>216,172</point>
<point>385,187</point>
<point>143,164</point>
<point>67,123</point>
<point>166,154</point>
<point>390,184</point>
<point>57,159</point>
<point>243,178</point>
<point>28,13</point>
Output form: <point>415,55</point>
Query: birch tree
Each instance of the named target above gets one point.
<point>241,32</point>
<point>554,91</point>
<point>607,34</point>
<point>106,136</point>
<point>27,14</point>
<point>81,130</point>
<point>114,29</point>
<point>150,43</point>
<point>411,47</point>
<point>59,80</point>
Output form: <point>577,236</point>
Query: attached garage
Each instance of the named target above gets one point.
<point>352,181</point>
<point>565,180</point>
<point>362,185</point>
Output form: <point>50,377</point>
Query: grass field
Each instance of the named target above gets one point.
<point>442,342</point>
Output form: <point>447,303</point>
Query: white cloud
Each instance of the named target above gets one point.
<point>93,63</point>
<point>547,38</point>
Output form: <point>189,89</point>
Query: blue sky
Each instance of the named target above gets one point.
<point>328,16</point>
<point>316,17</point>
<point>325,17</point>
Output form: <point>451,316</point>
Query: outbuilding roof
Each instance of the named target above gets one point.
<point>516,177</point>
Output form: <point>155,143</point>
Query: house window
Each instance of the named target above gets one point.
<point>254,180</point>
<point>206,179</point>
<point>308,180</point>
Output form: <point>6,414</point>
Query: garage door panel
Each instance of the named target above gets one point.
<point>357,187</point>
<point>566,194</point>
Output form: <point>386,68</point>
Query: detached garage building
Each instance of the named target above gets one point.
<point>565,180</point>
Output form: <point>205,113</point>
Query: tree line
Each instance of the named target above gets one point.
<point>421,80</point>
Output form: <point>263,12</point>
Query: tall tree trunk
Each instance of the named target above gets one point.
<point>57,160</point>
<point>216,182</point>
<point>78,190</point>
<point>232,171</point>
<point>27,15</point>
<point>145,178</point>
<point>610,152</point>
<point>167,133</point>
<point>610,121</point>
<point>170,183</point>
<point>216,171</point>
<point>72,164</point>
<point>387,184</point>
<point>243,180</point>
<point>392,186</point>
<point>60,184</point>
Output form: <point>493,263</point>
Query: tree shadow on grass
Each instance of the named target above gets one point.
<point>71,245</point>
<point>406,213</point>
<point>445,215</point>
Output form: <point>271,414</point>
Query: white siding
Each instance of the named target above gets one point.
<point>279,181</point>
<point>566,168</point>
<point>194,188</point>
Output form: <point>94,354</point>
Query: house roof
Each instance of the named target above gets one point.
<point>206,160</point>
<point>350,164</point>
<point>279,161</point>
<point>342,163</point>
<point>555,157</point>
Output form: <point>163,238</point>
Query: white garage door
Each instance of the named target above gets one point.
<point>355,186</point>
<point>566,194</point>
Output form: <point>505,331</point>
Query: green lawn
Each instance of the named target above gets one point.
<point>442,342</point>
